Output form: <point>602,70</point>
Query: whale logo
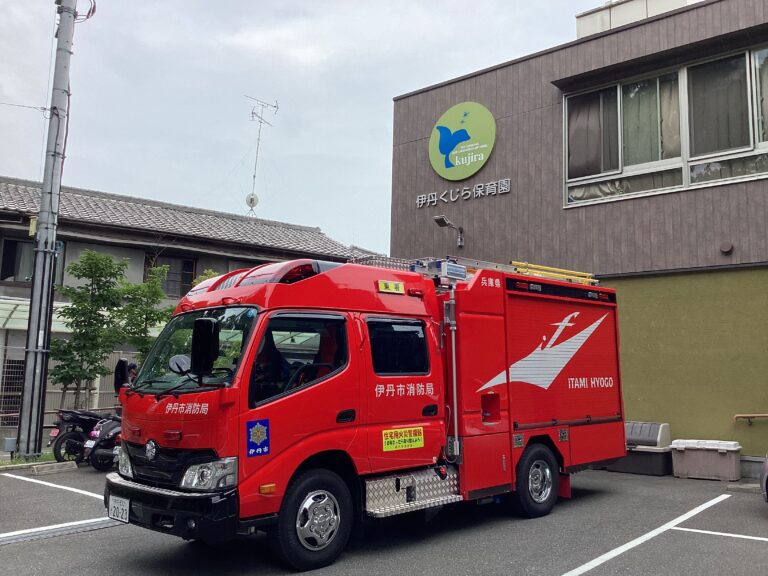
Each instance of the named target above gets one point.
<point>544,364</point>
<point>449,140</point>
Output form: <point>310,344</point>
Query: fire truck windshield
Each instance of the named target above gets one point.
<point>156,375</point>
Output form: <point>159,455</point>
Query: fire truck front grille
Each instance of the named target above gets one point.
<point>409,491</point>
<point>166,469</point>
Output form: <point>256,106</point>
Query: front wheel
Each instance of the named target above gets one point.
<point>315,521</point>
<point>68,447</point>
<point>538,480</point>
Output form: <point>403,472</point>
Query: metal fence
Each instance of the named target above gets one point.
<point>98,395</point>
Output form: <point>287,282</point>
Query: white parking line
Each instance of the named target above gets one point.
<point>760,538</point>
<point>53,527</point>
<point>77,490</point>
<point>644,538</point>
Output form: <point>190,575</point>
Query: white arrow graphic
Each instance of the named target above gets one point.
<point>542,366</point>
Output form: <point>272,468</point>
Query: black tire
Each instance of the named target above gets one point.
<point>301,543</point>
<point>101,463</point>
<point>538,480</point>
<point>69,447</point>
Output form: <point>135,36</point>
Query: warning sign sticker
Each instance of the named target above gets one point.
<point>402,439</point>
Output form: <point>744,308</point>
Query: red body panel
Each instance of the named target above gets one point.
<point>530,367</point>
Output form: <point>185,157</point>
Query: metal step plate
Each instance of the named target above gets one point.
<point>409,491</point>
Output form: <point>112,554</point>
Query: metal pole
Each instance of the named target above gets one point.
<point>41,302</point>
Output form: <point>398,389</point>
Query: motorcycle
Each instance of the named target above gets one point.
<point>71,432</point>
<point>101,449</point>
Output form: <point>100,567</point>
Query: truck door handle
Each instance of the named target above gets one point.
<point>429,410</point>
<point>345,416</point>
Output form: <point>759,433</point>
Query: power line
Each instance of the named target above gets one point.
<point>39,108</point>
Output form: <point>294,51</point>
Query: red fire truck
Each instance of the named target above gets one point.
<point>301,397</point>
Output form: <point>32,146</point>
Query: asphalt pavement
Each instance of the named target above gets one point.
<point>614,524</point>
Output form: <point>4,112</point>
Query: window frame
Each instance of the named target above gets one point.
<point>59,267</point>
<point>685,162</point>
<point>151,261</point>
<point>303,315</point>
<point>399,320</point>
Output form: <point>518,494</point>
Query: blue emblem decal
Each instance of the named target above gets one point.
<point>257,437</point>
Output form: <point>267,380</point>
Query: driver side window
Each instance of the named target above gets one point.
<point>294,352</point>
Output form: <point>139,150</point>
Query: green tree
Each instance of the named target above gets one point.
<point>92,319</point>
<point>141,310</point>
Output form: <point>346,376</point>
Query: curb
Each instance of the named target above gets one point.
<point>43,469</point>
<point>28,465</point>
<point>749,488</point>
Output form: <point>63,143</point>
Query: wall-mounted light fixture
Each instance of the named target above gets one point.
<point>443,222</point>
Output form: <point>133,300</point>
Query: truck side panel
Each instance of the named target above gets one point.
<point>563,365</point>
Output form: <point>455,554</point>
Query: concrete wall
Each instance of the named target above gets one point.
<point>694,352</point>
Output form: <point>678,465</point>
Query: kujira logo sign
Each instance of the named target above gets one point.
<point>462,140</point>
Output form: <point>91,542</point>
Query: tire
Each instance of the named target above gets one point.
<point>69,447</point>
<point>538,480</point>
<point>300,542</point>
<point>101,463</point>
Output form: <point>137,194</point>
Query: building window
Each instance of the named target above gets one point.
<point>761,87</point>
<point>181,273</point>
<point>725,106</point>
<point>651,120</point>
<point>18,261</point>
<point>398,347</point>
<point>593,134</point>
<point>718,106</point>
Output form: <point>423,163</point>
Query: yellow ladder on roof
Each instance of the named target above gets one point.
<point>528,269</point>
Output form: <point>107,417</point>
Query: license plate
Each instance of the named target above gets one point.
<point>54,432</point>
<point>118,508</point>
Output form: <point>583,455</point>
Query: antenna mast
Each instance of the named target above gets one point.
<point>258,116</point>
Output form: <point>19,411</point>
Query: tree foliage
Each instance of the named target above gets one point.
<point>104,311</point>
<point>91,317</point>
<point>141,311</point>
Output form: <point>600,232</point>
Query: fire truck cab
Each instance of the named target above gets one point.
<point>300,397</point>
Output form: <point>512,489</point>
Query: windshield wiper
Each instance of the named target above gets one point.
<point>172,390</point>
<point>135,389</point>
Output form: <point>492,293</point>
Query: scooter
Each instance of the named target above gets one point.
<point>101,449</point>
<point>71,432</point>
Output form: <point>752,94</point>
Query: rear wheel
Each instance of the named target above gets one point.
<point>315,521</point>
<point>68,447</point>
<point>102,463</point>
<point>538,480</point>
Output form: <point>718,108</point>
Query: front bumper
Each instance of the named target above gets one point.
<point>190,515</point>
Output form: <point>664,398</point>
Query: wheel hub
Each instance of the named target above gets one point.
<point>540,481</point>
<point>317,521</point>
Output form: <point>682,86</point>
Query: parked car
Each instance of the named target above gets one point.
<point>764,479</point>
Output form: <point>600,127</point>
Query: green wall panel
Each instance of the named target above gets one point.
<point>694,352</point>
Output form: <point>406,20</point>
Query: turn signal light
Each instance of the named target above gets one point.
<point>268,488</point>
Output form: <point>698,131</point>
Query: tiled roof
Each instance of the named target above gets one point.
<point>92,207</point>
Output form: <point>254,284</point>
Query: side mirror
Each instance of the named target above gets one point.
<point>121,374</point>
<point>179,364</point>
<point>205,346</point>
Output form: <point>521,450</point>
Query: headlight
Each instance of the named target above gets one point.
<point>211,475</point>
<point>124,462</point>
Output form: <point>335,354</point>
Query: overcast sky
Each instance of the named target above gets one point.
<point>158,108</point>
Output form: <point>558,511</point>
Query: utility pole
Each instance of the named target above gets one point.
<point>41,302</point>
